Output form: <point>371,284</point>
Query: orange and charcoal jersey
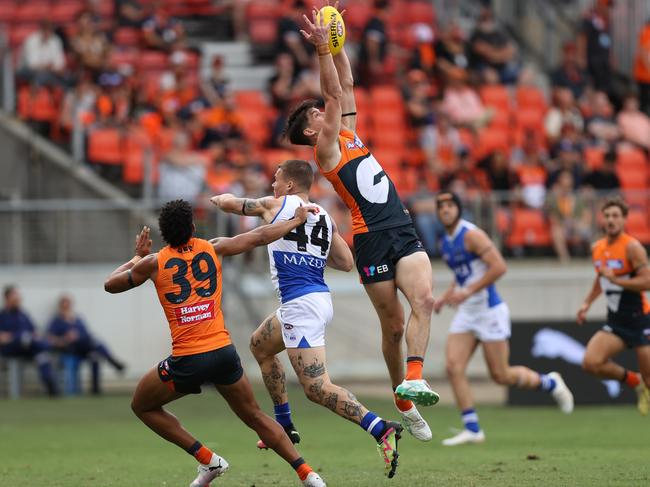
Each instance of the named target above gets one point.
<point>189,288</point>
<point>365,188</point>
<point>624,307</point>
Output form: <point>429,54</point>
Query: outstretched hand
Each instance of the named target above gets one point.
<point>143,242</point>
<point>317,31</point>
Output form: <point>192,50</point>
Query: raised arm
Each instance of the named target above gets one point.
<point>327,144</point>
<point>137,270</point>
<point>260,236</point>
<point>477,242</point>
<point>348,104</point>
<point>266,208</point>
<point>340,257</point>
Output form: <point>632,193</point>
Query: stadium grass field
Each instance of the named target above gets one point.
<point>90,441</point>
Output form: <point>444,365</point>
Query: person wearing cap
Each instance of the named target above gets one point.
<point>482,318</point>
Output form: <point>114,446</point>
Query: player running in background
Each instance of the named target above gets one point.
<point>621,264</point>
<point>482,317</point>
<point>297,270</point>
<point>187,277</point>
<point>389,255</point>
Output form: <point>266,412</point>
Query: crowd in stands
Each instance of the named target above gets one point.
<point>451,105</point>
<point>58,350</point>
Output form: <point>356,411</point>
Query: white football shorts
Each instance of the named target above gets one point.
<point>488,324</point>
<point>304,320</point>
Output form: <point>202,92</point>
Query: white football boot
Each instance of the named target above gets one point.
<point>207,473</point>
<point>464,437</point>
<point>561,393</point>
<point>643,398</point>
<point>415,424</point>
<point>314,480</point>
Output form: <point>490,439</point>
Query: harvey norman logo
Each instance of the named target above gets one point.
<point>196,313</point>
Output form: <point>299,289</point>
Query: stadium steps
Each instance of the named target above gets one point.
<point>239,65</point>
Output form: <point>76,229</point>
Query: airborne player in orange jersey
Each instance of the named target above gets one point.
<point>623,275</point>
<point>187,277</point>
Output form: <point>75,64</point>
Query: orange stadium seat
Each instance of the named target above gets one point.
<point>43,106</point>
<point>32,11</point>
<point>386,97</point>
<point>263,9</point>
<point>530,119</point>
<point>66,11</point>
<point>631,158</point>
<point>263,31</point>
<point>495,96</point>
<point>638,226</point>
<point>124,56</point>
<point>127,36</point>
<point>594,157</point>
<point>419,11</point>
<point>357,15</point>
<point>633,177</point>
<point>492,139</point>
<point>529,228</point>
<point>273,157</point>
<point>105,146</point>
<point>389,138</point>
<point>362,99</point>
<point>151,60</point>
<point>7,11</point>
<point>256,127</point>
<point>530,97</point>
<point>501,118</point>
<point>135,146</point>
<point>251,100</point>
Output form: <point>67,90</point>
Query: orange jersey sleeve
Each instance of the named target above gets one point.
<point>189,288</point>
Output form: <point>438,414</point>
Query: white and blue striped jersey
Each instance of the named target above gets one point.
<point>298,259</point>
<point>467,268</point>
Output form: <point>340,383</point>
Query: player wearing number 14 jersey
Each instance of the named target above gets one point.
<point>297,269</point>
<point>187,277</point>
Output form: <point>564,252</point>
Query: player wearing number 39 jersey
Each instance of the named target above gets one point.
<point>388,252</point>
<point>297,270</point>
<point>187,277</point>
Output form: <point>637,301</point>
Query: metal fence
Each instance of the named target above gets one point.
<point>96,231</point>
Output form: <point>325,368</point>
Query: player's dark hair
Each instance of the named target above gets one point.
<point>297,123</point>
<point>299,172</point>
<point>616,201</point>
<point>10,288</point>
<point>454,197</point>
<point>176,222</point>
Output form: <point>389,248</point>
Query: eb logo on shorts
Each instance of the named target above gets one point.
<point>372,270</point>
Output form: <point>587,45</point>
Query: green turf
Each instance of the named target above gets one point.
<point>98,442</point>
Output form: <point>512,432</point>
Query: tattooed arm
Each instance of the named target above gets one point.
<point>266,208</point>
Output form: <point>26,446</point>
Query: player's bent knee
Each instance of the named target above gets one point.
<point>590,366</point>
<point>500,377</point>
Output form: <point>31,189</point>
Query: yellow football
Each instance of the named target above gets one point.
<point>337,29</point>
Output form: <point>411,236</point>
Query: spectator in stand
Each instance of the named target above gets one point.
<point>530,186</point>
<point>570,74</point>
<point>222,124</point>
<point>79,102</point>
<point>90,46</point>
<point>182,171</point>
<point>634,125</point>
<point>595,44</point>
<point>215,85</point>
<point>129,13</point>
<point>19,339</point>
<point>424,53</point>
<point>474,180</point>
<point>500,176</point>
<point>419,109</point>
<point>604,179</point>
<point>563,112</point>
<point>68,334</point>
<point>252,184</point>
<point>569,158</point>
<point>374,45</point>
<point>463,104</point>
<point>491,47</point>
<point>601,125</point>
<point>452,52</point>
<point>442,146</point>
<point>531,146</point>
<point>570,218</point>
<point>282,88</point>
<point>308,82</point>
<point>422,205</point>
<point>43,59</point>
<point>161,31</point>
<point>642,67</point>
<point>290,40</point>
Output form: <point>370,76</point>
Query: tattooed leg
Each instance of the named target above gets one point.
<point>309,364</point>
<point>265,344</point>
